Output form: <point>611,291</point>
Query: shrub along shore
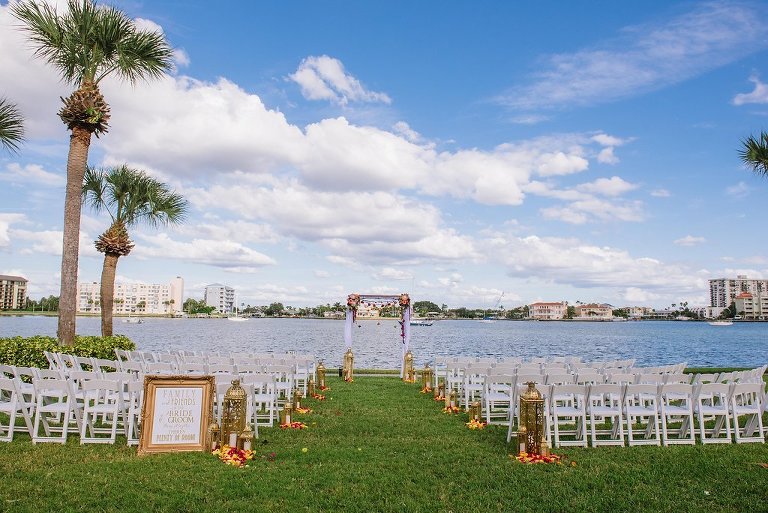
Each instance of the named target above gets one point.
<point>379,445</point>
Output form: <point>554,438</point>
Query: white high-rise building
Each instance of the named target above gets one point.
<point>723,291</point>
<point>221,297</point>
<point>13,292</point>
<point>134,298</point>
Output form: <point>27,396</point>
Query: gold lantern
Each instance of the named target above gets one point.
<point>297,399</point>
<point>233,414</point>
<point>245,440</point>
<point>477,412</point>
<point>426,378</point>
<point>408,367</point>
<point>349,360</point>
<point>452,401</point>
<point>441,390</point>
<point>321,375</point>
<point>288,413</point>
<point>213,435</point>
<point>531,431</point>
<point>311,387</point>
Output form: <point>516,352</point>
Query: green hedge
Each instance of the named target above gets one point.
<point>28,352</point>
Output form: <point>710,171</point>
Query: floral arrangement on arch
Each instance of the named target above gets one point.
<point>353,300</point>
<point>405,300</point>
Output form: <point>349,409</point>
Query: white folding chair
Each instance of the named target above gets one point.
<point>185,367</point>
<point>263,398</point>
<point>474,380</point>
<point>101,397</point>
<point>641,402</point>
<point>746,401</point>
<point>601,405</point>
<point>498,397</point>
<point>134,399</point>
<point>160,368</point>
<point>53,398</point>
<point>711,404</point>
<point>676,406</point>
<point>12,403</point>
<point>569,406</point>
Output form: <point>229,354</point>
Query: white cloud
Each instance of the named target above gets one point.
<point>580,264</point>
<point>660,193</point>
<point>560,163</point>
<point>758,95</point>
<point>49,242</point>
<point>226,254</point>
<point>638,295</point>
<point>613,186</point>
<point>608,140</point>
<point>404,129</point>
<point>690,240</point>
<point>647,57</point>
<point>606,156</point>
<point>390,273</point>
<point>6,220</point>
<point>740,190</point>
<point>321,274</point>
<point>582,211</point>
<point>31,173</point>
<point>324,78</point>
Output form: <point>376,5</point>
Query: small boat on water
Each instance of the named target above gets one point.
<point>420,322</point>
<point>133,320</point>
<point>720,323</point>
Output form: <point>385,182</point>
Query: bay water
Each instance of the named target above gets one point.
<point>377,344</point>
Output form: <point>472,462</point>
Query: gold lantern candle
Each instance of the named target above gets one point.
<point>233,413</point>
<point>297,399</point>
<point>477,411</point>
<point>311,387</point>
<point>532,418</point>
<point>213,435</point>
<point>349,360</point>
<point>441,390</point>
<point>245,441</point>
<point>426,378</point>
<point>288,413</point>
<point>321,375</point>
<point>408,367</point>
<point>452,399</point>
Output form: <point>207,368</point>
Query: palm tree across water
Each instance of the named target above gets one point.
<point>131,198</point>
<point>86,43</point>
<point>754,153</point>
<point>11,126</point>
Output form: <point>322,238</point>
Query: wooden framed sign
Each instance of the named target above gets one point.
<point>176,413</point>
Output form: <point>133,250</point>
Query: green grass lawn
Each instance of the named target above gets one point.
<point>379,445</point>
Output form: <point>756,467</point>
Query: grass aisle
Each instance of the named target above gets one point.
<point>379,445</point>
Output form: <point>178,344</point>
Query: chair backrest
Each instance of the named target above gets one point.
<point>160,368</point>
<point>47,373</point>
<point>220,360</point>
<point>676,392</point>
<point>677,377</point>
<point>644,394</point>
<point>649,379</point>
<point>748,395</point>
<point>560,379</point>
<point>713,394</point>
<point>599,391</point>
<point>620,378</point>
<point>589,378</point>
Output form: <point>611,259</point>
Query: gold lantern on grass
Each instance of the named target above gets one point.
<point>426,378</point>
<point>245,440</point>
<point>213,436</point>
<point>531,433</point>
<point>297,399</point>
<point>453,399</point>
<point>349,360</point>
<point>321,375</point>
<point>440,391</point>
<point>476,412</point>
<point>311,387</point>
<point>408,374</point>
<point>233,414</point>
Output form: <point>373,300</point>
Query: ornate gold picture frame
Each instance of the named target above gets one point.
<point>176,413</point>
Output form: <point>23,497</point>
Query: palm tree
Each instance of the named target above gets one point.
<point>11,126</point>
<point>86,44</point>
<point>754,153</point>
<point>130,197</point>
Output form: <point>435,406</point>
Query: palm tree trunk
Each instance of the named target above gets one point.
<point>77,160</point>
<point>108,292</point>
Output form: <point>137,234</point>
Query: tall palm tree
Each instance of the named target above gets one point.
<point>86,44</point>
<point>754,153</point>
<point>11,126</point>
<point>130,197</point>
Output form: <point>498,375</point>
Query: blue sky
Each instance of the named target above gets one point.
<point>454,150</point>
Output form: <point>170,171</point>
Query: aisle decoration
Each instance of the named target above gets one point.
<point>233,456</point>
<point>451,410</point>
<point>319,397</point>
<point>410,375</point>
<point>476,424</point>
<point>426,379</point>
<point>348,365</point>
<point>293,425</point>
<point>303,411</point>
<point>525,457</point>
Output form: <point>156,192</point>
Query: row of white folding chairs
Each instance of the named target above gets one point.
<point>60,403</point>
<point>648,414</point>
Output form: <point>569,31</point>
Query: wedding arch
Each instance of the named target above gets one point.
<point>403,301</point>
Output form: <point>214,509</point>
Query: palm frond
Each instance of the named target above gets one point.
<point>11,126</point>
<point>89,41</point>
<point>754,153</point>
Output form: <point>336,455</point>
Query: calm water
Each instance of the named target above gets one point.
<point>378,345</point>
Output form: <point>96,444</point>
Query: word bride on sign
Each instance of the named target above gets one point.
<point>176,413</point>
